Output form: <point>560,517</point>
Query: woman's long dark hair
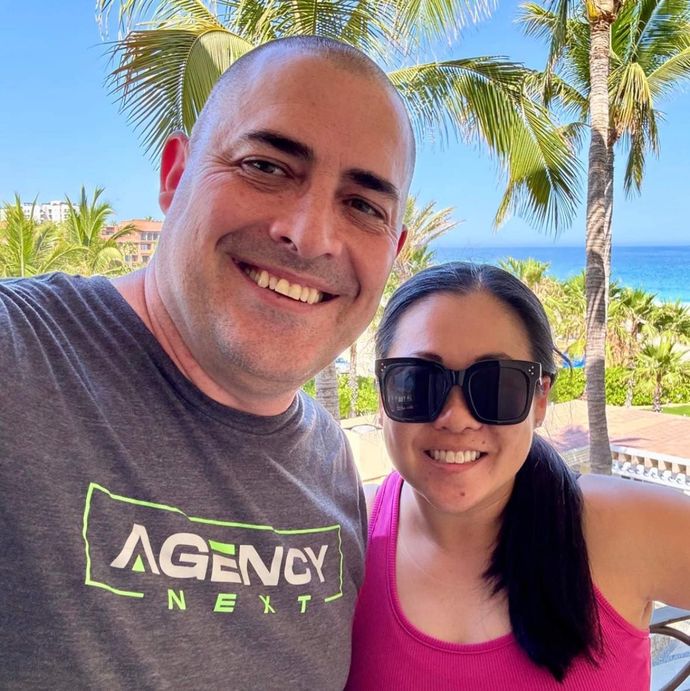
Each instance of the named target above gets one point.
<point>540,558</point>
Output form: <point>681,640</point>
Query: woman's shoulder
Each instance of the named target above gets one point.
<point>640,504</point>
<point>637,540</point>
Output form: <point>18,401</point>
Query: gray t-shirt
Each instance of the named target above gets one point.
<point>149,536</point>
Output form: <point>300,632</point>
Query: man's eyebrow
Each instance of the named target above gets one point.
<point>374,182</point>
<point>279,141</point>
<point>292,147</point>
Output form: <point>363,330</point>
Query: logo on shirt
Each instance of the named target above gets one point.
<point>139,549</point>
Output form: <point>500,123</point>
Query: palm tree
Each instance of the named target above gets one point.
<point>631,311</point>
<point>84,226</point>
<point>327,389</point>
<point>28,248</point>
<point>672,319</point>
<point>424,225</point>
<point>530,271</point>
<point>565,306</point>
<point>659,361</point>
<point>615,59</point>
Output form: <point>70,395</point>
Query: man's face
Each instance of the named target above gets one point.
<point>297,186</point>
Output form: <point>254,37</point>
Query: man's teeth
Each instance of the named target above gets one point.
<point>279,285</point>
<point>454,456</point>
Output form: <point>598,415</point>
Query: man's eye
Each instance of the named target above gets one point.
<point>365,208</point>
<point>266,167</point>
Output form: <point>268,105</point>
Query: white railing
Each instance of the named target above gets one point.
<point>651,466</point>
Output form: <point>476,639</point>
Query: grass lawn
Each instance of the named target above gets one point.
<point>677,409</point>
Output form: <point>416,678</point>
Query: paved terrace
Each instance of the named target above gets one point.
<point>566,427</point>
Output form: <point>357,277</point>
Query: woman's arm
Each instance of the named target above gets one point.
<point>640,539</point>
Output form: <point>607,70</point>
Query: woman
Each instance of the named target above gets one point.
<point>490,564</point>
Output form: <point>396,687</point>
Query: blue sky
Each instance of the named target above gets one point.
<point>59,129</point>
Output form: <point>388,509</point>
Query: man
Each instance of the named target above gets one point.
<point>173,512</point>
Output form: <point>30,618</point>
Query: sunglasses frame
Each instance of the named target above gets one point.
<point>461,378</point>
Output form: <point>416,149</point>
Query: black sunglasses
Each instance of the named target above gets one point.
<point>497,392</point>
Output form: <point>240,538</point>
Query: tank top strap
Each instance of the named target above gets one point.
<point>384,503</point>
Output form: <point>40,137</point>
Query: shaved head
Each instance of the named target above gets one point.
<point>342,55</point>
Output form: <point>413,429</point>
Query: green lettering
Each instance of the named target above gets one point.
<point>303,599</point>
<point>176,599</point>
<point>225,602</point>
<point>266,599</point>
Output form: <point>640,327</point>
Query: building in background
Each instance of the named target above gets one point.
<point>138,245</point>
<point>55,211</point>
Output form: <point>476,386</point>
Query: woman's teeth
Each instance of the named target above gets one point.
<point>454,456</point>
<point>279,285</point>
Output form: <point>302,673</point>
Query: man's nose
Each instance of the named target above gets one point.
<point>310,227</point>
<point>455,415</point>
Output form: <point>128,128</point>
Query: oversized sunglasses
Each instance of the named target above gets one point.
<point>497,392</point>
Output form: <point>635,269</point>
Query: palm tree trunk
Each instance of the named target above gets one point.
<point>352,380</point>
<point>630,388</point>
<point>598,243</point>
<point>327,390</point>
<point>656,400</point>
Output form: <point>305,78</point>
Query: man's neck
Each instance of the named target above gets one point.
<point>140,291</point>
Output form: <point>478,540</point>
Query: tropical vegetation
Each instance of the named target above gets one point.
<point>29,247</point>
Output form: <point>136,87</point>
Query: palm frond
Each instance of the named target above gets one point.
<point>571,64</point>
<point>558,94</point>
<point>665,78</point>
<point>483,100</point>
<point>640,139</point>
<point>665,32</point>
<point>563,12</point>
<point>129,13</point>
<point>438,20</point>
<point>364,24</point>
<point>630,96</point>
<point>160,96</point>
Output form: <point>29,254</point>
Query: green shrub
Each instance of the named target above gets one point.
<point>367,396</point>
<point>569,385</point>
<point>616,382</point>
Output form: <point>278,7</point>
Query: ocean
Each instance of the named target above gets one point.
<point>664,271</point>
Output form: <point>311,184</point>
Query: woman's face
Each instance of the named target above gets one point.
<point>458,331</point>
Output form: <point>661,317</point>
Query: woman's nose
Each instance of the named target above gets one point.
<point>455,414</point>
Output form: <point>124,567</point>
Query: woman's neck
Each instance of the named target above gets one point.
<point>474,531</point>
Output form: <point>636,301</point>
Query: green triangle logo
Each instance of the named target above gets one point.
<point>139,565</point>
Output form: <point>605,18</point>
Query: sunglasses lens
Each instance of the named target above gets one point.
<point>412,393</point>
<point>499,394</point>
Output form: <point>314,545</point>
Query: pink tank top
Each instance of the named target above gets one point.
<point>388,652</point>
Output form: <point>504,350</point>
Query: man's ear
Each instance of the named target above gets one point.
<point>173,163</point>
<point>401,240</point>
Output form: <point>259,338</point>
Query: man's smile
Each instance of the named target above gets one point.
<point>296,291</point>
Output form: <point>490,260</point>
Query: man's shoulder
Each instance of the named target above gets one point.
<point>40,307</point>
<point>325,422</point>
<point>43,289</point>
